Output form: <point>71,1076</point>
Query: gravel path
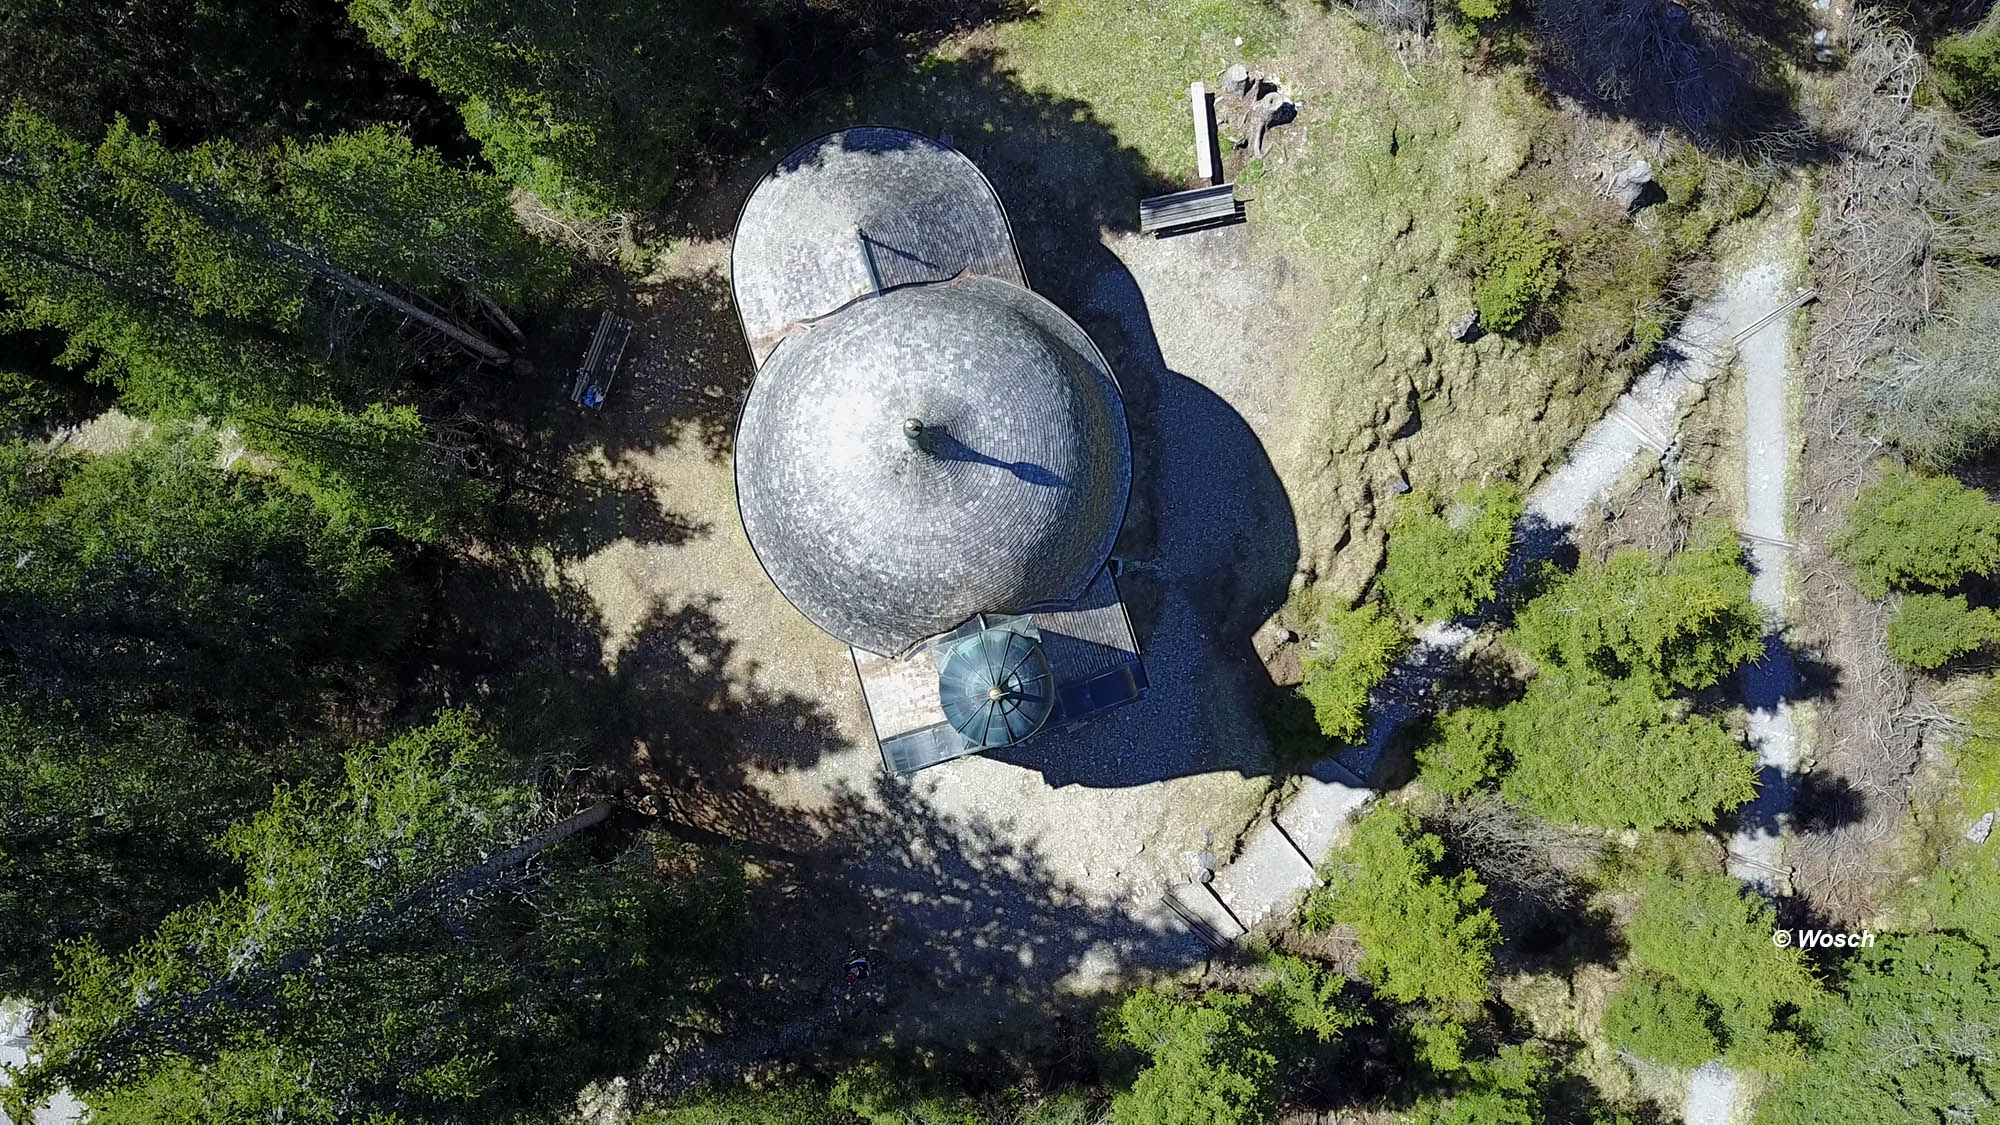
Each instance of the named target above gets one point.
<point>1756,844</point>
<point>1277,863</point>
<point>14,1020</point>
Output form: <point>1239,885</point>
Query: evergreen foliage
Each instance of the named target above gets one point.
<point>1912,532</point>
<point>1514,259</point>
<point>1911,1037</point>
<point>1357,648</point>
<point>1712,938</point>
<point>250,71</point>
<point>1212,1059</point>
<point>1446,558</point>
<point>1509,1089</point>
<point>1967,65</point>
<point>1609,753</point>
<point>1464,751</point>
<point>1425,937</point>
<point>1655,1018</point>
<point>1682,622</point>
<point>389,930</point>
<point>591,106</point>
<point>379,467</point>
<point>1931,630</point>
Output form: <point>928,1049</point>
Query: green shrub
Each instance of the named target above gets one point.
<point>1967,65</point>
<point>1425,938</point>
<point>1680,622</point>
<point>1462,753</point>
<point>1711,937</point>
<point>1930,630</point>
<point>1609,753</point>
<point>788,1104</point>
<point>1655,1018</point>
<point>1446,558</point>
<point>1515,261</point>
<point>1908,531</point>
<point>1212,1059</point>
<point>1505,1090</point>
<point>1912,1039</point>
<point>1484,9</point>
<point>1357,648</point>
<point>1311,997</point>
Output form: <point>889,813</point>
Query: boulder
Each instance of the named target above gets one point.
<point>1634,187</point>
<point>1235,81</point>
<point>1466,328</point>
<point>1979,832</point>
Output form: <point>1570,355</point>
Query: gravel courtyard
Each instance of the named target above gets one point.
<point>1196,330</point>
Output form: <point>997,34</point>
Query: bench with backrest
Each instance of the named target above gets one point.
<point>600,362</point>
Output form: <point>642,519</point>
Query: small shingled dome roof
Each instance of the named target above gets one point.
<point>996,687</point>
<point>1009,498</point>
<point>855,212</point>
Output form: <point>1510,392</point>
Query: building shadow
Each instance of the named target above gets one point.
<point>1207,554</point>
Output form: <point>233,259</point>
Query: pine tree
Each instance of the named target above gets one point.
<point>426,933</point>
<point>590,105</point>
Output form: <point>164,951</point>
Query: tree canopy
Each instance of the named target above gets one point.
<point>1446,557</point>
<point>392,930</point>
<point>1681,622</point>
<point>1425,936</point>
<point>1712,939</point>
<point>1610,753</point>
<point>1910,1037</point>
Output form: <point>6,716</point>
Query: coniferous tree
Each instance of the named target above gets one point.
<point>427,933</point>
<point>590,105</point>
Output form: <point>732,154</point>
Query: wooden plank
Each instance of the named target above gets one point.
<point>1204,133</point>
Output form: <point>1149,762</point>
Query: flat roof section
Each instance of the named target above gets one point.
<point>1091,649</point>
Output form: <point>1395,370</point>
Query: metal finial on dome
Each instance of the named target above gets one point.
<point>913,432</point>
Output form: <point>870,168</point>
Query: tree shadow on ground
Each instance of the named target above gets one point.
<point>1715,73</point>
<point>970,936</point>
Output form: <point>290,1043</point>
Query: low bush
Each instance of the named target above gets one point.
<point>1447,557</point>
<point>1515,261</point>
<point>1426,938</point>
<point>1462,753</point>
<point>1357,648</point>
<point>1611,754</point>
<point>1967,65</point>
<point>1655,1018</point>
<point>1931,630</point>
<point>1910,532</point>
<point>1682,622</point>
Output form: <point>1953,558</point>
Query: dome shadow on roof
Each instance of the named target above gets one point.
<point>1011,501</point>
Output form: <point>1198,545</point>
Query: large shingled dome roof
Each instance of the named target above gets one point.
<point>1009,500</point>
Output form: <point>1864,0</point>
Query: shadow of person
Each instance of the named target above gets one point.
<point>1210,545</point>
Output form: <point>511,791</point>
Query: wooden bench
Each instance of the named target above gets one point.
<point>600,363</point>
<point>1194,209</point>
